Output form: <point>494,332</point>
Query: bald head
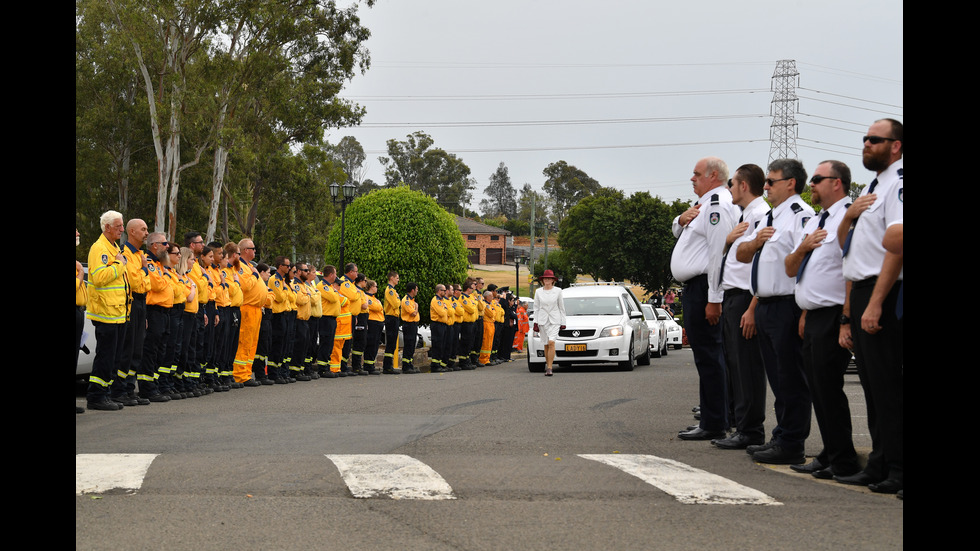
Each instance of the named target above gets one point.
<point>136,232</point>
<point>247,249</point>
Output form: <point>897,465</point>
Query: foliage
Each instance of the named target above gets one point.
<point>431,170</point>
<point>501,195</point>
<point>406,231</point>
<point>540,200</point>
<point>567,185</point>
<point>560,262</point>
<point>614,238</point>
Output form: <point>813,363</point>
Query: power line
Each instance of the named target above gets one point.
<point>582,148</point>
<point>523,97</point>
<point>467,124</point>
<point>849,97</point>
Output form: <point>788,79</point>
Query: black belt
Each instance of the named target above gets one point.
<point>779,298</point>
<point>736,292</point>
<point>870,282</point>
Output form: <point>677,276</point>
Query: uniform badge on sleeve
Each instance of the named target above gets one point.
<point>805,220</point>
<point>151,267</point>
<point>715,217</point>
<point>276,283</point>
<point>901,194</point>
<point>105,258</point>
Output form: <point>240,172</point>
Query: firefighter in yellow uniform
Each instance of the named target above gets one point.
<point>301,337</point>
<point>489,316</point>
<point>468,302</point>
<point>439,315</point>
<point>159,301</point>
<point>410,328</point>
<point>376,322</point>
<point>108,309</point>
<point>392,315</point>
<point>349,289</point>
<point>330,301</point>
<point>316,313</point>
<point>254,294</point>
<point>341,338</point>
<point>280,305</point>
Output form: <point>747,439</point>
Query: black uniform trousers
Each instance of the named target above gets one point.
<point>440,333</point>
<point>880,361</point>
<point>410,333</point>
<point>391,341</point>
<point>358,340</point>
<point>374,329</point>
<point>778,322</point>
<point>109,345</point>
<point>157,323</point>
<point>745,368</point>
<point>824,363</point>
<point>706,343</point>
<point>327,329</point>
<point>133,353</point>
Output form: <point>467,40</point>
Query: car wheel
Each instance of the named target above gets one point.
<point>664,353</point>
<point>655,353</point>
<point>678,346</point>
<point>645,358</point>
<point>630,363</point>
<point>535,367</point>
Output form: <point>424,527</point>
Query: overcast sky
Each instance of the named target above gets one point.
<point>631,92</point>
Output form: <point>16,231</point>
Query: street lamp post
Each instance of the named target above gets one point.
<point>345,198</point>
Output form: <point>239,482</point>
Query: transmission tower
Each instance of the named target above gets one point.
<point>782,133</point>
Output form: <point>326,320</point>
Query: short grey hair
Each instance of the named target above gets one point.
<point>716,165</point>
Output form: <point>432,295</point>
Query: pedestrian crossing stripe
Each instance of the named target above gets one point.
<point>686,483</point>
<point>391,475</point>
<point>97,473</point>
<point>396,476</point>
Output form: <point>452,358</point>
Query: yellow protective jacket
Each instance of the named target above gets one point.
<point>438,310</point>
<point>139,279</point>
<point>253,288</point>
<point>160,293</point>
<point>329,299</point>
<point>469,308</point>
<point>302,293</point>
<point>392,303</point>
<point>410,310</point>
<point>108,291</point>
<point>280,302</point>
<point>376,311</point>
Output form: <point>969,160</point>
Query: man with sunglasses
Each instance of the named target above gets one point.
<point>696,262</point>
<point>820,292</point>
<point>869,323</point>
<point>777,315</point>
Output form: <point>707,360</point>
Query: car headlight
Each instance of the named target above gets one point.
<point>614,331</point>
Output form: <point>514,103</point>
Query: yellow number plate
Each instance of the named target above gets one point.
<point>575,348</point>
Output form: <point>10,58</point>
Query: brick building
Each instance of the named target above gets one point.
<point>486,244</point>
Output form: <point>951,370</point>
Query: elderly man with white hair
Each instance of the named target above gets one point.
<point>108,305</point>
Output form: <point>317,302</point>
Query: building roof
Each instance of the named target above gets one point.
<point>467,226</point>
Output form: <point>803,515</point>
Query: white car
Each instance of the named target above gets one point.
<point>658,331</point>
<point>675,334</point>
<point>604,324</point>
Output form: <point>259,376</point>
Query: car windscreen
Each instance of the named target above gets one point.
<point>593,306</point>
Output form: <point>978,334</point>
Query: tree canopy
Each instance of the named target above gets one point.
<point>614,238</point>
<point>501,195</point>
<point>567,185</point>
<point>429,169</point>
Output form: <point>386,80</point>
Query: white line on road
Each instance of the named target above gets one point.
<point>391,475</point>
<point>684,482</point>
<point>96,473</point>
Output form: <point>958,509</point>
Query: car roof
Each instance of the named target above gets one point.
<point>594,291</point>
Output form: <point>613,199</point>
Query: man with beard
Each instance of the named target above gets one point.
<point>869,323</point>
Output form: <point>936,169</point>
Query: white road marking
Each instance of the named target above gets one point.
<point>391,475</point>
<point>96,473</point>
<point>686,483</point>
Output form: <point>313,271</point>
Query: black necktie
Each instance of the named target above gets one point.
<point>755,260</point>
<point>823,220</point>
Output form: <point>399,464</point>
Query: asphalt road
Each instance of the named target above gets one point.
<point>262,469</point>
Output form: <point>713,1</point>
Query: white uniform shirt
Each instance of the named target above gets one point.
<point>822,283</point>
<point>700,244</point>
<point>788,220</point>
<point>738,274</point>
<point>866,255</point>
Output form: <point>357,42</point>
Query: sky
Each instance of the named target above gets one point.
<point>631,92</point>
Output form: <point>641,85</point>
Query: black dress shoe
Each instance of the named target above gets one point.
<point>758,448</point>
<point>859,478</point>
<point>701,434</point>
<point>822,474</point>
<point>778,455</point>
<point>810,467</point>
<point>252,383</point>
<point>737,441</point>
<point>125,400</point>
<point>887,486</point>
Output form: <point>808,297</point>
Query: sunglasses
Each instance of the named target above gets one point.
<point>875,140</point>
<point>818,179</point>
